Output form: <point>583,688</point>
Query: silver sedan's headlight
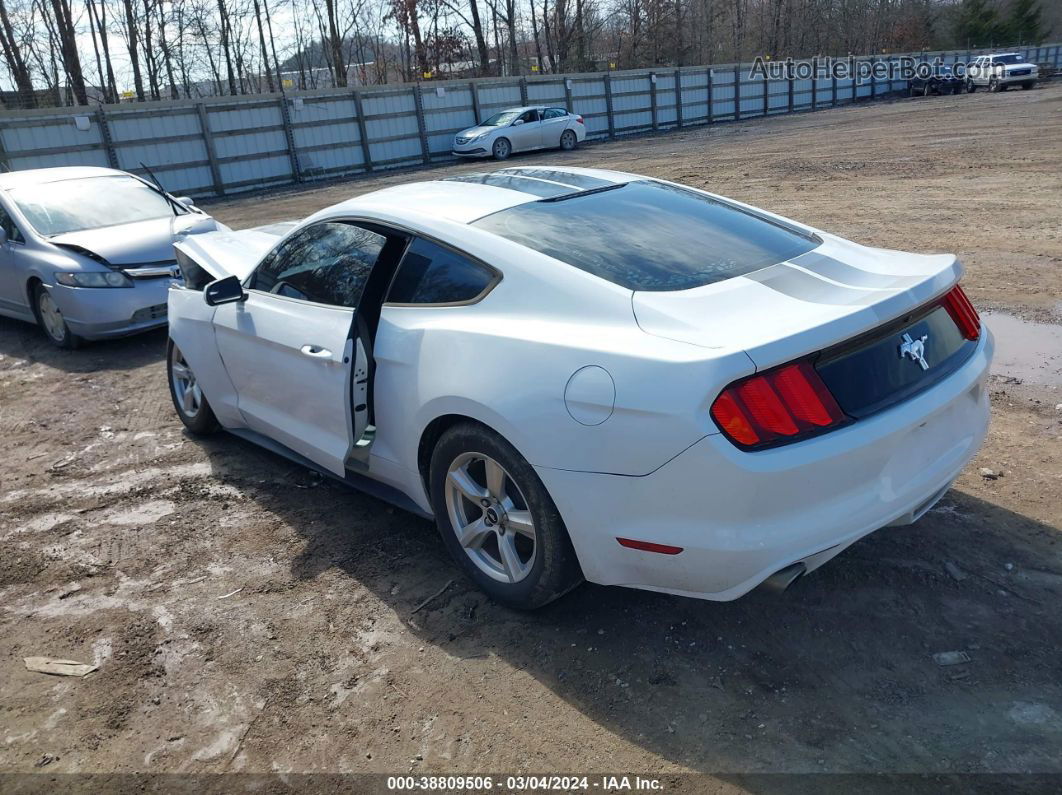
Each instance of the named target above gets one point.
<point>94,279</point>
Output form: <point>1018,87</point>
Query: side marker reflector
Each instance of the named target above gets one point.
<point>648,546</point>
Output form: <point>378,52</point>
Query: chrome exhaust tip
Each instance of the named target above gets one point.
<point>780,581</point>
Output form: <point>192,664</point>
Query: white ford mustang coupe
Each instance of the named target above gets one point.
<point>586,374</point>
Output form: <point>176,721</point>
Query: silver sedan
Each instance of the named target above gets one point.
<point>521,130</point>
<point>87,253</point>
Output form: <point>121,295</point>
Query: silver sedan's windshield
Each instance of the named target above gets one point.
<point>501,119</point>
<point>74,205</point>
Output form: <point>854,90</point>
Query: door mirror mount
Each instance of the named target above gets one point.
<point>187,201</point>
<point>224,291</point>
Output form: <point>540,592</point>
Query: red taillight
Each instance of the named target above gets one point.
<point>580,119</point>
<point>779,405</point>
<point>963,313</point>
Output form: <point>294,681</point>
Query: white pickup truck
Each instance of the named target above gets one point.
<point>1000,71</point>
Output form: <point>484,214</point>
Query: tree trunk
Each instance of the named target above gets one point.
<point>262,46</point>
<point>133,44</point>
<point>68,47</point>
<point>16,64</point>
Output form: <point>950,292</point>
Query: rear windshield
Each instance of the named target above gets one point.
<point>649,236</point>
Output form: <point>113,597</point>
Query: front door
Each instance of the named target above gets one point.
<point>291,350</point>
<point>13,296</point>
<point>528,134</point>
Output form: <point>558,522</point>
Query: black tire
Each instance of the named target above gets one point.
<point>553,567</point>
<point>957,89</point>
<point>59,334</point>
<point>569,140</point>
<point>501,149</point>
<point>201,421</point>
<point>927,89</point>
<point>993,85</point>
<point>970,86</point>
<point>1027,85</point>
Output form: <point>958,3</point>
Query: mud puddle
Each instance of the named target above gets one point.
<point>1025,350</point>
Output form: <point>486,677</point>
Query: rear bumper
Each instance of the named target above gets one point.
<point>100,313</point>
<point>739,517</point>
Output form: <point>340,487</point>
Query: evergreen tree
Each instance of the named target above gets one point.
<point>978,24</point>
<point>1025,23</point>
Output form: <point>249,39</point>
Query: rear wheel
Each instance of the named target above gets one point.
<point>568,140</point>
<point>502,149</point>
<point>498,521</point>
<point>188,398</point>
<point>51,320</point>
<point>993,85</point>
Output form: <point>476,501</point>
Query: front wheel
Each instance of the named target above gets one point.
<point>502,149</point>
<point>498,521</point>
<point>569,140</point>
<point>970,86</point>
<point>188,398</point>
<point>50,318</point>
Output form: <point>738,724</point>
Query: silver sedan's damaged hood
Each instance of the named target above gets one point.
<point>140,243</point>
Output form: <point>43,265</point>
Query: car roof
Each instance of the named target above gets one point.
<point>39,176</point>
<point>467,197</point>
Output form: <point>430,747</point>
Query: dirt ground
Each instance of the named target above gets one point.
<point>248,616</point>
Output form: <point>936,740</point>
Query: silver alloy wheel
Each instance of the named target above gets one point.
<point>490,517</point>
<point>568,140</point>
<point>51,317</point>
<point>185,386</point>
<point>502,148</point>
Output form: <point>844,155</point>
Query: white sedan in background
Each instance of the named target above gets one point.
<point>521,130</point>
<point>87,253</point>
<point>591,374</point>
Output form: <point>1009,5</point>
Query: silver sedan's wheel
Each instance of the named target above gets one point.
<point>568,140</point>
<point>490,517</point>
<point>187,394</point>
<point>502,149</point>
<point>188,399</point>
<point>51,317</point>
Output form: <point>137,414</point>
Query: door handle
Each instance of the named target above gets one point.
<point>316,351</point>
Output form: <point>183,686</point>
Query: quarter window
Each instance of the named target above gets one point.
<point>8,225</point>
<point>327,263</point>
<point>432,274</point>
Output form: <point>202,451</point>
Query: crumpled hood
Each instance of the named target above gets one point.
<point>138,243</point>
<point>233,253</point>
<point>825,296</point>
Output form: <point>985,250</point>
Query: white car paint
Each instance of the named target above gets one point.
<point>635,454</point>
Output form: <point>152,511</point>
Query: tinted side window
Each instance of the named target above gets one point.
<point>554,113</point>
<point>530,116</point>
<point>431,274</point>
<point>328,263</point>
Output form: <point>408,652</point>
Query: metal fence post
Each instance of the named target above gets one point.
<point>475,99</point>
<point>568,95</point>
<point>652,100</point>
<point>873,79</point>
<point>208,144</point>
<point>523,90</point>
<point>608,106</point>
<point>418,103</point>
<point>678,98</point>
<point>766,95</point>
<point>815,89</point>
<point>791,94</point>
<point>833,89</point>
<point>363,133</point>
<point>737,92</point>
<point>293,155</point>
<point>105,137</point>
<point>710,79</point>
